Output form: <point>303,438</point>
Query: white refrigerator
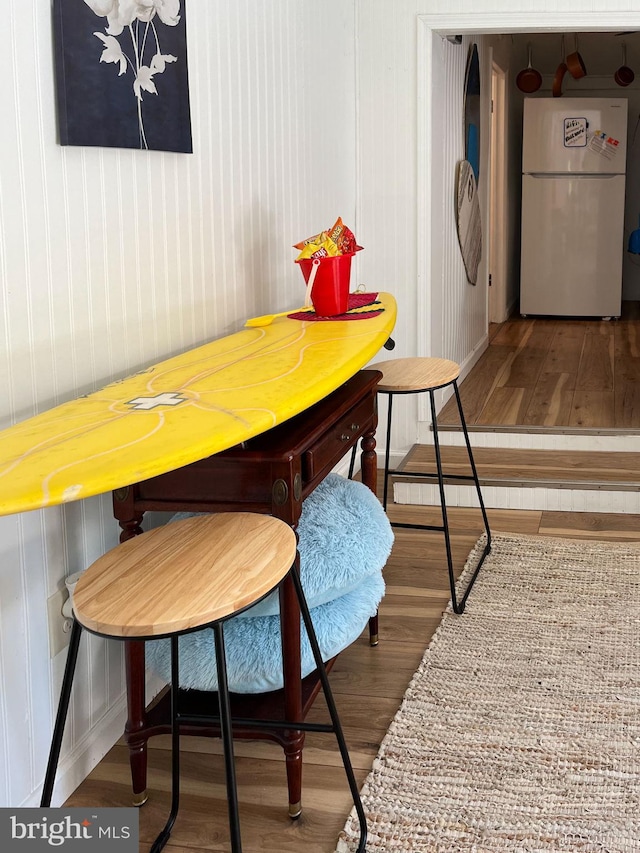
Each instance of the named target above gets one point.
<point>573,180</point>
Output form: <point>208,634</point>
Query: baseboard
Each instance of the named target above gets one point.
<point>474,356</point>
<point>442,397</point>
<point>74,767</point>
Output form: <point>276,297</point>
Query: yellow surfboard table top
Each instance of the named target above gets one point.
<point>184,409</point>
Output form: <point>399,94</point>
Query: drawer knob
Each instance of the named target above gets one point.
<point>345,437</point>
<point>354,427</point>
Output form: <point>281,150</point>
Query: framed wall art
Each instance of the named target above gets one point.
<point>121,74</point>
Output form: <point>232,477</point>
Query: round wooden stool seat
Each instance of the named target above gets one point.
<point>172,580</point>
<point>404,375</point>
<point>184,575</point>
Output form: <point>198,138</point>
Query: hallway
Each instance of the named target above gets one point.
<point>556,373</point>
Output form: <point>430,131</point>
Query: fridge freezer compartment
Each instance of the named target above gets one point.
<point>572,245</point>
<point>575,135</point>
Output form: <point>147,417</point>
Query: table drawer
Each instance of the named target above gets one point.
<point>328,451</point>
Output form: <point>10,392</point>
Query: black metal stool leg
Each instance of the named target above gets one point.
<point>227,737</point>
<point>457,604</point>
<point>472,463</point>
<point>352,463</point>
<point>387,453</point>
<point>163,836</point>
<point>61,716</point>
<point>457,608</point>
<point>333,711</point>
<point>474,471</point>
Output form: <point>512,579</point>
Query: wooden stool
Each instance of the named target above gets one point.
<point>172,580</point>
<point>427,375</point>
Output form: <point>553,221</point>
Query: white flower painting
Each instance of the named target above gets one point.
<point>122,13</point>
<point>122,61</point>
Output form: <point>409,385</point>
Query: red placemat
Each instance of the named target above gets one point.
<point>361,307</point>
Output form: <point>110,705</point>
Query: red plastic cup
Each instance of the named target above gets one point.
<point>330,291</point>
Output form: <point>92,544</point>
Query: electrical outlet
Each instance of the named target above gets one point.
<point>59,626</point>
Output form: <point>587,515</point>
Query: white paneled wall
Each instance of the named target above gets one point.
<point>457,316</point>
<point>112,259</point>
<point>409,138</point>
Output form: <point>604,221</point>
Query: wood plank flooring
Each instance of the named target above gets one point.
<point>368,683</point>
<point>550,372</point>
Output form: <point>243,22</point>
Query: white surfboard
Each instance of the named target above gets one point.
<point>468,220</point>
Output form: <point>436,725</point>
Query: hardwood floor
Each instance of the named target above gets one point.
<point>556,372</point>
<point>368,683</point>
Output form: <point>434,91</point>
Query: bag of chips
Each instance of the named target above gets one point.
<point>324,248</point>
<point>338,240</point>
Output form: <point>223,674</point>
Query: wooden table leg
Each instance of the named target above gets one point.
<point>137,743</point>
<point>291,657</point>
<point>369,461</point>
<point>369,469</point>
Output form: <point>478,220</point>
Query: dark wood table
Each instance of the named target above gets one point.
<point>270,473</point>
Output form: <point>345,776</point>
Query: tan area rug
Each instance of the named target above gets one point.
<point>520,731</point>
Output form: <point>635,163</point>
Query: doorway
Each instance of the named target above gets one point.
<point>442,327</point>
<point>497,289</point>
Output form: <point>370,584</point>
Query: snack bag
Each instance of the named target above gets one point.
<point>343,238</point>
<point>317,239</point>
<point>339,240</point>
<point>324,249</point>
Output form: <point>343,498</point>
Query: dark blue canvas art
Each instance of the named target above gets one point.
<point>472,111</point>
<point>121,74</point>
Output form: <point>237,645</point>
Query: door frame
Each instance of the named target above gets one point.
<point>497,307</point>
<point>472,24</point>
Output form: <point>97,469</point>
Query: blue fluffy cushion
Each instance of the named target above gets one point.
<point>344,535</point>
<point>253,650</point>
<point>344,541</point>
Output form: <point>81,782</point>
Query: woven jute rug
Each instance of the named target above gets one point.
<point>520,731</point>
